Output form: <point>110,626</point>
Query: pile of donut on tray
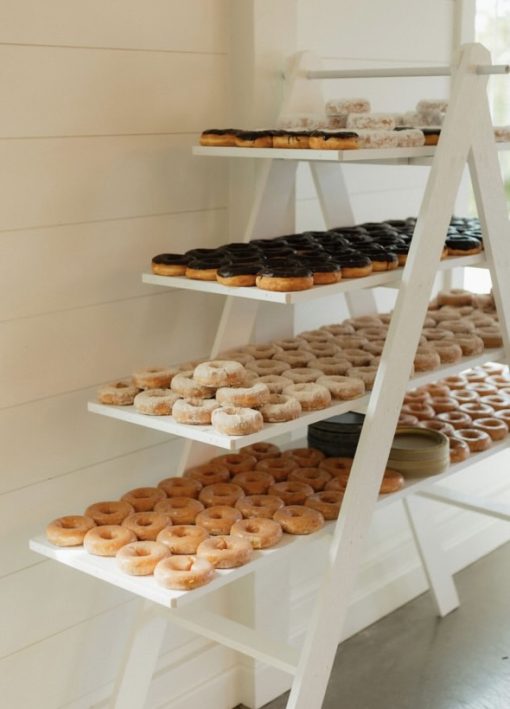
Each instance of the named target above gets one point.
<point>345,124</point>
<point>277,381</point>
<point>215,515</point>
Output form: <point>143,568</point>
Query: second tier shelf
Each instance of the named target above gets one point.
<point>207,434</point>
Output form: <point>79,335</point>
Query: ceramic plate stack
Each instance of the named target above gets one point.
<point>418,452</point>
<point>336,436</point>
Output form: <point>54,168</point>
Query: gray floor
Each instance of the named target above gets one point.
<point>413,660</point>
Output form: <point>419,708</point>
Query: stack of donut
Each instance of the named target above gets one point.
<point>472,409</point>
<point>300,261</point>
<point>215,515</point>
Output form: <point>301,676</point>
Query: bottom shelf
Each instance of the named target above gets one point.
<point>145,586</point>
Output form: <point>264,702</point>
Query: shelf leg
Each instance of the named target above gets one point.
<point>140,659</point>
<point>433,557</point>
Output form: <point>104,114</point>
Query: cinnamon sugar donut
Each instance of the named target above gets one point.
<point>350,342</point>
<point>154,377</point>
<point>107,539</point>
<point>180,487</point>
<point>459,449</point>
<point>281,407</point>
<point>477,410</point>
<point>109,513</point>
<point>449,352</point>
<point>323,349</point>
<point>254,482</point>
<point>315,477</point>
<point>180,510</point>
<point>209,473</point>
<point>373,333</point>
<point>495,427</point>
<point>236,462</point>
<point>426,359</point>
<point>265,367</point>
<point>435,334</point>
<point>218,520</point>
<point>491,336</point>
<point>454,296</point>
<point>219,373</point>
<point>226,552</point>
<point>143,499</point>
<point>120,393</point>
<point>312,397</point>
<point>302,375</point>
<point>194,412</point>
<point>444,403</point>
<point>342,388</point>
<point>182,538</point>
<point>477,440</point>
<point>296,358</point>
<point>155,402</point>
<point>263,351</point>
<point>220,494</point>
<point>146,525</point>
<point>140,558</point>
<point>274,382</point>
<point>259,531</point>
<point>251,397</point>
<point>366,374</point>
<point>335,365</point>
<point>337,466</point>
<point>457,419</point>
<point>69,531</point>
<point>470,344</point>
<point>440,426</point>
<point>279,468</point>
<point>327,502</point>
<point>236,421</point>
<point>341,329</point>
<point>320,336</point>
<point>183,573</point>
<point>459,327</point>
<point>261,450</point>
<point>357,357</point>
<point>375,347</point>
<point>305,457</point>
<point>291,491</point>
<point>259,505</point>
<point>184,385</point>
<point>290,344</point>
<point>298,519</point>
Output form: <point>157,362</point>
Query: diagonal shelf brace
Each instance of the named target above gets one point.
<point>440,493</point>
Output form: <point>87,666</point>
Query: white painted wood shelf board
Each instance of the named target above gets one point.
<point>345,286</point>
<point>206,434</point>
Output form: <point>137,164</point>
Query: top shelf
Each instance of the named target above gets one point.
<point>399,156</point>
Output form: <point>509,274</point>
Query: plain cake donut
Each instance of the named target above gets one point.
<point>182,538</point>
<point>226,551</point>
<point>259,531</point>
<point>183,572</point>
<point>299,519</point>
<point>140,558</point>
<point>107,539</point>
<point>109,513</point>
<point>69,531</point>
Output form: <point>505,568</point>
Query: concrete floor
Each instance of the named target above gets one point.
<point>413,660</point>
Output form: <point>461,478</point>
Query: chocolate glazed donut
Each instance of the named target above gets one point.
<point>169,264</point>
<point>239,274</point>
<point>290,277</point>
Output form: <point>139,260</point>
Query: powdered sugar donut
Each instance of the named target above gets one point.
<point>121,393</point>
<point>296,358</point>
<point>281,407</point>
<point>154,377</point>
<point>303,375</point>
<point>274,382</point>
<point>262,351</point>
<point>263,367</point>
<point>195,411</point>
<point>236,421</point>
<point>184,385</point>
<point>240,356</point>
<point>219,373</point>
<point>342,388</point>
<point>312,397</point>
<point>335,365</point>
<point>155,402</point>
<point>253,396</point>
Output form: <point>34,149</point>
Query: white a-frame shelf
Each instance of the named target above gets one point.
<point>467,138</point>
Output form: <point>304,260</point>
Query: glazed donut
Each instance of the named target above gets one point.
<point>407,420</point>
<point>464,396</point>
<point>279,468</point>
<point>391,482</point>
<point>366,374</point>
<point>477,410</point>
<point>423,412</point>
<point>220,494</point>
<point>180,510</point>
<point>236,421</point>
<point>437,389</point>
<point>444,403</point>
<point>296,358</point>
<point>254,482</point>
<point>180,487</point>
<point>456,381</point>
<point>455,296</point>
<point>305,457</point>
<point>143,499</point>
<point>323,349</point>
<point>226,552</point>
<point>337,484</point>
<point>259,531</point>
<point>476,439</point>
<point>449,352</point>
<point>107,539</point>
<point>218,520</point>
<point>298,519</point>
<point>315,477</point>
<point>219,373</point>
<point>155,402</point>
<point>109,513</point>
<point>337,466</point>
<point>264,367</point>
<point>290,344</point>
<point>436,425</point>
<point>274,382</point>
<point>312,397</point>
<point>459,449</point>
<point>267,351</point>
<point>237,356</point>
<point>259,505</point>
<point>154,377</point>
<point>326,502</point>
<point>140,558</point>
<point>261,450</point>
<point>457,419</point>
<point>342,388</point>
<point>291,492</point>
<point>121,393</point>
<point>209,473</point>
<point>184,385</point>
<point>303,375</point>
<point>183,573</point>
<point>280,407</point>
<point>495,427</point>
<point>426,359</point>
<point>419,396</point>
<point>69,531</point>
<point>182,538</point>
<point>146,525</point>
<point>504,415</point>
<point>236,462</point>
<point>483,389</point>
<point>490,335</point>
<point>499,380</point>
<point>195,411</point>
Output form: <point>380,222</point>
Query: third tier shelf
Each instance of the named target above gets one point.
<point>207,434</point>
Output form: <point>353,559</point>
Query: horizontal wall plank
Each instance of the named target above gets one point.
<point>69,350</point>
<point>63,181</point>
<point>25,513</point>
<point>66,92</point>
<point>87,264</point>
<point>194,25</point>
